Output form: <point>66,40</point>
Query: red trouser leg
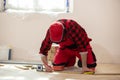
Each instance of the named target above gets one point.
<point>64,57</point>
<point>67,57</point>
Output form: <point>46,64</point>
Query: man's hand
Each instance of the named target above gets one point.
<point>48,68</point>
<point>45,63</point>
<point>85,69</point>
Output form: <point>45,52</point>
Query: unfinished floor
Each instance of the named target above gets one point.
<point>103,72</point>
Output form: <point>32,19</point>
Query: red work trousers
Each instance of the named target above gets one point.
<point>67,57</point>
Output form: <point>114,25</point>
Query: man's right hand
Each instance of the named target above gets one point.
<point>45,63</point>
<point>48,68</point>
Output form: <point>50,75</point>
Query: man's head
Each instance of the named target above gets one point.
<point>56,32</point>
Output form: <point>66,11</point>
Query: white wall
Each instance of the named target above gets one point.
<point>100,18</point>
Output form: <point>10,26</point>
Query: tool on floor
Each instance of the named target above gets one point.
<point>39,67</point>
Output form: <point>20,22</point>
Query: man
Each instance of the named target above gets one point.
<point>73,42</point>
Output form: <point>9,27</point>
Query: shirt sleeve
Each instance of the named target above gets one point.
<point>46,45</point>
<point>79,36</point>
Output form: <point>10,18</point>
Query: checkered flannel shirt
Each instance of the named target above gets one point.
<point>76,34</point>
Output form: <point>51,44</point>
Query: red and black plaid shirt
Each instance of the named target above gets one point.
<point>74,32</point>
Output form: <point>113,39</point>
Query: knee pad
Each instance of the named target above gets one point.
<point>58,68</point>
